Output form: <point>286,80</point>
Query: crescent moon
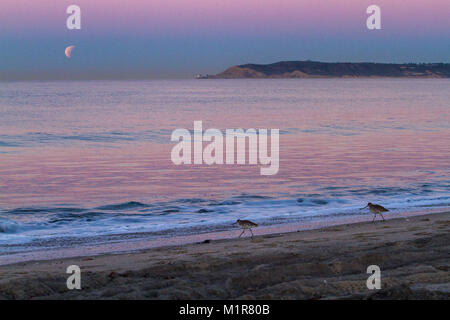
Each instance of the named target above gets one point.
<point>68,51</point>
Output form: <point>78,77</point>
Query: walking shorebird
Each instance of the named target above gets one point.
<point>376,209</point>
<point>244,225</point>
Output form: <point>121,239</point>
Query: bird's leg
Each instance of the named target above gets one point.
<point>243,230</point>
<point>382,216</point>
<point>251,232</point>
<point>374,216</point>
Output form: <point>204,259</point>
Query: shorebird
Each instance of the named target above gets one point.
<point>376,209</point>
<point>244,225</point>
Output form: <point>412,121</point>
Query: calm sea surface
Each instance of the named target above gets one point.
<point>86,160</point>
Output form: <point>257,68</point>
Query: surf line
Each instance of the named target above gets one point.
<point>234,153</point>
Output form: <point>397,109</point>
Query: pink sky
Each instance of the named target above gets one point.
<point>222,16</point>
<point>185,37</point>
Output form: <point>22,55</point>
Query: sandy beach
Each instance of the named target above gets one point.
<point>330,263</point>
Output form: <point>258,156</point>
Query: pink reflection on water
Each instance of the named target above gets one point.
<point>97,176</point>
<point>383,133</point>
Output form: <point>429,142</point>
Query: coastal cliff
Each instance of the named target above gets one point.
<point>314,69</point>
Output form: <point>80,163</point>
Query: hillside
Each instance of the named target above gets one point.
<point>314,69</point>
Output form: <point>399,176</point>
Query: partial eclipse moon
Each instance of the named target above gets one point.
<point>68,51</point>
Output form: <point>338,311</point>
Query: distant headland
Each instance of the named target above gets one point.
<point>315,69</point>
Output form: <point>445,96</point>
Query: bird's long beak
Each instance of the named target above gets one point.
<point>364,207</point>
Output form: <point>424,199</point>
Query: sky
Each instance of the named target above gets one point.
<point>181,38</point>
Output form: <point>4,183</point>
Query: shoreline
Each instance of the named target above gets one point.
<point>136,242</point>
<point>326,263</point>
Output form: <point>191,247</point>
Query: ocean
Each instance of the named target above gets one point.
<point>89,162</point>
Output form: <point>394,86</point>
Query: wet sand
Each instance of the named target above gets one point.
<point>413,254</point>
